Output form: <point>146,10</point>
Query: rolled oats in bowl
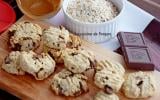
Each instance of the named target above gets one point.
<point>93,20</point>
<point>92,11</point>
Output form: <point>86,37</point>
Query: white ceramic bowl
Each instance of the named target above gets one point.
<point>95,32</point>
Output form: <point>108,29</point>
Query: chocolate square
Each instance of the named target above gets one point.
<point>138,58</point>
<point>131,39</point>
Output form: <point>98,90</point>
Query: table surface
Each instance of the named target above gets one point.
<point>151,6</point>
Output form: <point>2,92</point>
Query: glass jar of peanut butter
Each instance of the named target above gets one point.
<point>39,9</point>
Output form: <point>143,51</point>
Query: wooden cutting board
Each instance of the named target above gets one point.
<point>26,87</point>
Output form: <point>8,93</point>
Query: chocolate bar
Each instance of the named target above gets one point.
<point>138,58</point>
<point>131,39</point>
<point>136,53</point>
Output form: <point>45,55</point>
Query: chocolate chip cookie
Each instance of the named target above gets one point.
<point>69,84</point>
<point>139,85</point>
<point>109,76</point>
<point>78,61</point>
<point>56,37</point>
<point>11,63</point>
<point>108,81</point>
<point>40,66</point>
<point>24,36</point>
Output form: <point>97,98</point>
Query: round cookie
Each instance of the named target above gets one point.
<point>139,85</point>
<point>56,54</point>
<point>77,61</point>
<point>107,80</point>
<point>104,96</point>
<point>11,63</point>
<point>56,38</point>
<point>25,36</point>
<point>69,84</point>
<point>40,66</point>
<point>115,67</point>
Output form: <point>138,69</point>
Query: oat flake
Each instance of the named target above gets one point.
<point>92,11</point>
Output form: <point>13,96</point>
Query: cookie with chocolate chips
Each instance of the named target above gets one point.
<point>139,85</point>
<point>11,63</point>
<point>24,36</point>
<point>69,84</point>
<point>40,66</point>
<point>56,37</point>
<point>78,61</point>
<point>104,96</point>
<point>108,81</point>
<point>109,76</point>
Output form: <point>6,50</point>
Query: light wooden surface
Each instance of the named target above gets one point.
<point>26,87</point>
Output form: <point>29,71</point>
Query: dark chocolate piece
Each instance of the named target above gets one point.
<point>138,58</point>
<point>131,39</point>
<point>135,51</point>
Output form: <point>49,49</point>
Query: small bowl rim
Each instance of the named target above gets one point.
<point>87,23</point>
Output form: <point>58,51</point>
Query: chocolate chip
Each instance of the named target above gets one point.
<point>140,83</point>
<point>53,43</point>
<point>71,75</point>
<point>58,44</point>
<point>35,57</point>
<point>69,44</point>
<point>108,89</point>
<point>60,90</point>
<point>27,38</point>
<point>92,63</point>
<point>26,22</point>
<point>106,78</point>
<point>80,91</point>
<point>41,69</point>
<point>17,47</point>
<point>74,53</point>
<point>11,33</point>
<point>72,68</point>
<point>7,60</point>
<point>34,44</point>
<point>61,27</point>
<point>19,69</point>
<point>50,53</point>
<point>61,37</point>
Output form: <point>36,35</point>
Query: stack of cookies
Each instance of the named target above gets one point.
<point>61,47</point>
<point>24,39</point>
<point>66,49</point>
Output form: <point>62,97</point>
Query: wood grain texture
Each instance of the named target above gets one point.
<point>151,6</point>
<point>27,88</point>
